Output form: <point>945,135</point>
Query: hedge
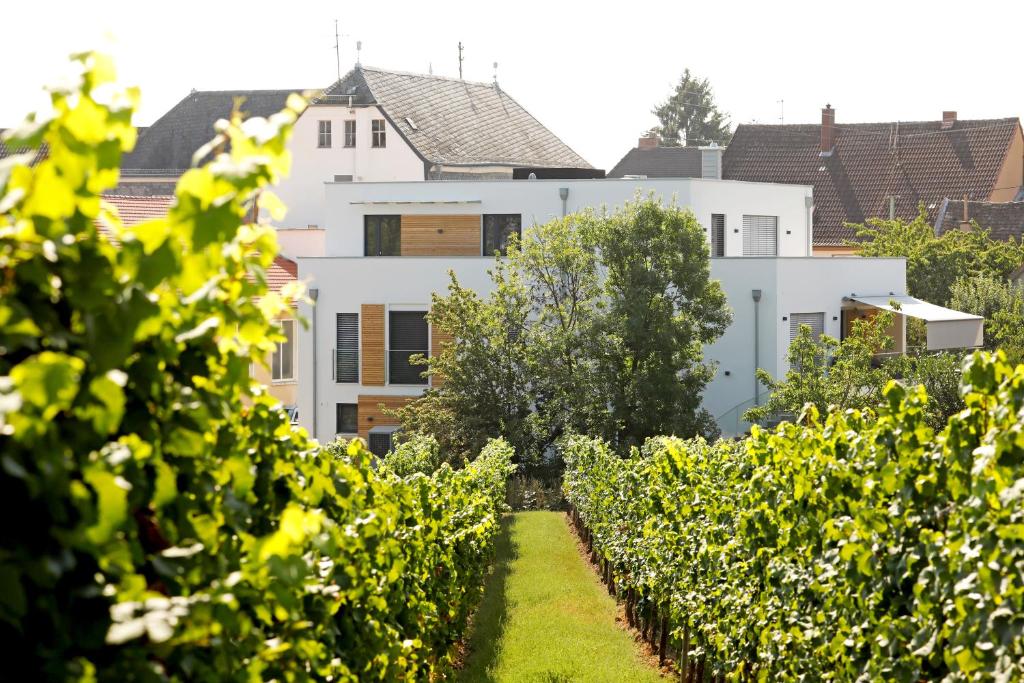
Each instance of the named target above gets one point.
<point>859,547</point>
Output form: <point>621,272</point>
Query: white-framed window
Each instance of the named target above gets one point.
<point>282,364</point>
<point>815,321</point>
<point>324,137</point>
<point>350,133</point>
<point>760,235</point>
<point>379,133</point>
<point>717,235</point>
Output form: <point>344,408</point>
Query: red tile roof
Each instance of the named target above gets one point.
<point>282,271</point>
<point>917,161</point>
<point>1004,219</point>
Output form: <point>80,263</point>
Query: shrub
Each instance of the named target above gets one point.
<point>854,548</point>
<point>164,521</point>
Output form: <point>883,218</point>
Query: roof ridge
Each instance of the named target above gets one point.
<point>413,74</point>
<point>1005,119</point>
<point>137,196</point>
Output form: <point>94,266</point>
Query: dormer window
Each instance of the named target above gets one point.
<point>379,135</point>
<point>324,137</point>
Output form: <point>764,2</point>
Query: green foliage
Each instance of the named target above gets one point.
<point>690,112</point>
<point>420,453</point>
<point>827,373</point>
<point>596,325</point>
<point>854,548</point>
<point>1001,303</point>
<point>164,522</point>
<point>935,263</point>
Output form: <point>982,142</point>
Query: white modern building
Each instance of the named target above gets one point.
<point>389,246</point>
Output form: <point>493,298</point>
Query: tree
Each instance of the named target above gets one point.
<point>596,325</point>
<point>690,116</point>
<point>662,309</point>
<point>935,263</point>
<point>828,373</point>
<point>1001,303</point>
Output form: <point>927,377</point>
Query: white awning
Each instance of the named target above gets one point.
<point>947,329</point>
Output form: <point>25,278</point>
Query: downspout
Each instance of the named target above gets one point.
<point>809,218</point>
<point>313,295</point>
<point>563,192</point>
<point>756,294</point>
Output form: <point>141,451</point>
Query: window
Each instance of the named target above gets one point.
<point>717,235</point>
<point>350,133</point>
<point>379,134</point>
<point>282,365</point>
<point>383,235</point>
<point>498,227</point>
<point>407,337</point>
<point>346,359</point>
<point>760,235</point>
<point>815,321</point>
<point>347,416</point>
<point>324,139</point>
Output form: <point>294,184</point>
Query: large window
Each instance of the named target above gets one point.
<point>324,137</point>
<point>760,235</point>
<point>282,364</point>
<point>347,418</point>
<point>346,359</point>
<point>383,235</point>
<point>350,133</point>
<point>498,227</point>
<point>717,235</point>
<point>379,133</point>
<point>407,337</point>
<point>815,321</point>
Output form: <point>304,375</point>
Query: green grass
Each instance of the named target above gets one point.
<point>545,617</point>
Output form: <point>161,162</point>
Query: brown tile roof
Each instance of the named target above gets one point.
<point>136,209</point>
<point>918,161</point>
<point>1004,219</point>
<point>282,271</point>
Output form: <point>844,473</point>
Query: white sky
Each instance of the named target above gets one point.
<point>590,71</point>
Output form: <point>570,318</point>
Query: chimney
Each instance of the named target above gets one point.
<point>948,119</point>
<point>828,130</point>
<point>649,142</point>
<point>965,224</point>
<point>711,162</point>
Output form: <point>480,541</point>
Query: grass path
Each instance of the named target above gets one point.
<point>545,617</point>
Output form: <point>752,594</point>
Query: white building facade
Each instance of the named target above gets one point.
<point>389,246</point>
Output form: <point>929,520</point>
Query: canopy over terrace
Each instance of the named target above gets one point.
<point>947,329</point>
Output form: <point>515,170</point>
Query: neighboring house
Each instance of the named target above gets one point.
<point>280,376</point>
<point>371,125</point>
<point>390,246</point>
<point>877,170</point>
<point>134,209</point>
<point>37,155</point>
<point>1005,220</point>
<point>649,160</point>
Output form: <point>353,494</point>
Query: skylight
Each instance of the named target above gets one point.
<point>412,124</point>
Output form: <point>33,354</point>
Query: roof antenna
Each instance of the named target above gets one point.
<point>460,60</point>
<point>430,68</point>
<point>359,49</point>
<point>495,74</point>
<point>337,48</point>
<point>782,112</point>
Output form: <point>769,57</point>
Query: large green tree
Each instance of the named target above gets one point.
<point>596,325</point>
<point>1001,303</point>
<point>690,115</point>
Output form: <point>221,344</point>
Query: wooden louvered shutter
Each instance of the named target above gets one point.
<point>717,235</point>
<point>815,321</point>
<point>372,351</point>
<point>760,235</point>
<point>346,357</point>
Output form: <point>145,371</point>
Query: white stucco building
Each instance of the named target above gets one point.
<point>389,246</point>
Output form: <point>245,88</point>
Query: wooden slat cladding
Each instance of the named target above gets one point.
<point>457,235</point>
<point>371,411</point>
<point>438,340</point>
<point>372,323</point>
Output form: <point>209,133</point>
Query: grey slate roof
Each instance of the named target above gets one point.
<point>37,154</point>
<point>167,146</point>
<point>455,122</point>
<point>659,162</point>
<point>1004,219</point>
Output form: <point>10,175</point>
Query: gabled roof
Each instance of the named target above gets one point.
<point>917,161</point>
<point>659,162</point>
<point>282,271</point>
<point>135,209</point>
<point>167,146</point>
<point>454,122</point>
<point>1004,219</point>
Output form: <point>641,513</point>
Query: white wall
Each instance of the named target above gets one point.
<point>303,190</point>
<point>343,285</point>
<point>538,201</point>
<point>301,241</point>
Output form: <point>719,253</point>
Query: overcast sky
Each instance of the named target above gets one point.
<point>590,74</point>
